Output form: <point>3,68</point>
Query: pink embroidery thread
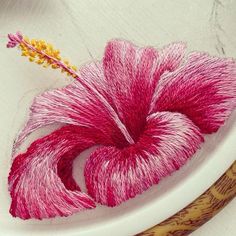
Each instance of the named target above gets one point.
<point>148,109</point>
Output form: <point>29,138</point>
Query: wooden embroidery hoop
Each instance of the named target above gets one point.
<point>201,210</point>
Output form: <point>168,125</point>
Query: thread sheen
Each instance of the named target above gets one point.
<point>165,102</point>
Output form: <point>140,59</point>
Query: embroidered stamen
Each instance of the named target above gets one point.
<point>42,53</point>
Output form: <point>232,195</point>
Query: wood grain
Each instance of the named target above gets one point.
<point>201,210</point>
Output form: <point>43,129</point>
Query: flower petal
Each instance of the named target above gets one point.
<point>39,186</point>
<point>204,89</point>
<point>74,105</point>
<point>171,57</point>
<point>168,141</point>
<point>129,74</point>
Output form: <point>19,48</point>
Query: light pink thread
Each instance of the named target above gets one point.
<point>166,103</point>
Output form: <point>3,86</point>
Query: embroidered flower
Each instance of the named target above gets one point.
<point>148,110</point>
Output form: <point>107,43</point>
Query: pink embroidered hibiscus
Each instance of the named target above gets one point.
<point>147,109</point>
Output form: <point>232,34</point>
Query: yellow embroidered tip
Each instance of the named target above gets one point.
<point>42,53</point>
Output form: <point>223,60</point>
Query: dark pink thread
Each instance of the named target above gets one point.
<point>166,102</point>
